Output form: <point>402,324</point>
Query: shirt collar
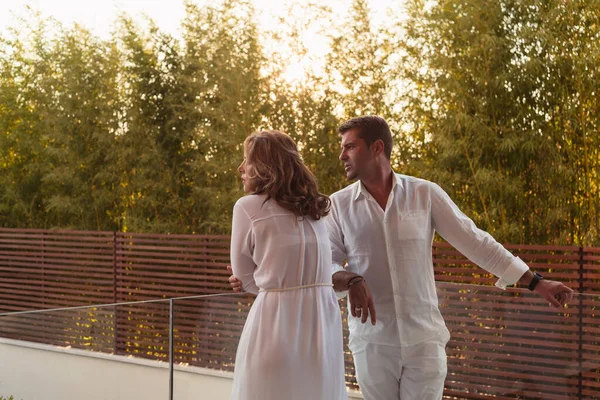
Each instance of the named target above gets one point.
<point>360,189</point>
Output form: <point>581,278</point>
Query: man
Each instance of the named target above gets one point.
<point>383,227</point>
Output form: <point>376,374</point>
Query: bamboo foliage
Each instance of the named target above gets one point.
<point>494,100</point>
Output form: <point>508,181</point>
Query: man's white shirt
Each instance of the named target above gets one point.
<point>392,248</point>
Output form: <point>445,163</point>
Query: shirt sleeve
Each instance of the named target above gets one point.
<point>242,248</point>
<point>477,245</point>
<point>338,249</point>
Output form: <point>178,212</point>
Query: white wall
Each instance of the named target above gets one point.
<point>31,371</point>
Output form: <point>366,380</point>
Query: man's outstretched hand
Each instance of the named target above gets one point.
<point>556,293</point>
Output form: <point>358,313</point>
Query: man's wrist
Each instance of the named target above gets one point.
<point>340,280</point>
<point>534,281</point>
<point>354,280</point>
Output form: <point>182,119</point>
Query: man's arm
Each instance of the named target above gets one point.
<point>556,293</point>
<point>481,248</point>
<point>344,281</point>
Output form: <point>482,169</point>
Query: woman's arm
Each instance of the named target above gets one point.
<point>242,248</point>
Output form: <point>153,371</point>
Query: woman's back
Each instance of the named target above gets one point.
<point>291,346</point>
<point>288,250</point>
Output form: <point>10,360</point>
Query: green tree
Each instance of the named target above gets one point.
<point>496,101</point>
<point>304,108</point>
<point>223,60</point>
<point>60,102</point>
<point>156,142</point>
<point>488,87</point>
<point>79,125</point>
<point>364,77</point>
<point>20,145</point>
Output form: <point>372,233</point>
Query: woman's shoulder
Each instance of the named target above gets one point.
<point>251,200</point>
<point>252,204</point>
<point>258,206</point>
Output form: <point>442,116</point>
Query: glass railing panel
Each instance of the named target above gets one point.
<point>207,329</point>
<point>86,328</point>
<point>102,343</point>
<point>511,344</point>
<point>504,344</point>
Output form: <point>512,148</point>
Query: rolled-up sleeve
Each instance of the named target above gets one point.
<point>242,246</point>
<point>477,245</point>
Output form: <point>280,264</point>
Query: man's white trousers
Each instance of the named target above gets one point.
<point>402,373</point>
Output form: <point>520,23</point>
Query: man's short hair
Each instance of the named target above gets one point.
<point>370,129</point>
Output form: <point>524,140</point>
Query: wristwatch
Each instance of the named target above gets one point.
<point>536,278</point>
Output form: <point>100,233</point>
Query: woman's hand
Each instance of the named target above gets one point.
<point>234,282</point>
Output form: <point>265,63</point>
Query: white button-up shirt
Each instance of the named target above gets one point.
<point>392,250</point>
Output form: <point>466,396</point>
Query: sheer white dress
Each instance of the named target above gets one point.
<point>291,345</point>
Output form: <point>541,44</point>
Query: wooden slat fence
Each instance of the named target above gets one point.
<point>505,345</point>
<point>511,344</point>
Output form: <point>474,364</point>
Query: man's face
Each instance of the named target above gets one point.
<point>356,156</point>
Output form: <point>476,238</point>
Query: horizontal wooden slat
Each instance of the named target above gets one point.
<point>180,255</point>
<point>223,238</point>
<point>52,240</point>
<point>83,251</point>
<point>68,231</point>
<point>166,240</point>
<point>165,263</point>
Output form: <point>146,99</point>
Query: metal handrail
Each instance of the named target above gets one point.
<point>118,304</point>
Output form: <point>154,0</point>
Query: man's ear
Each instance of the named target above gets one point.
<point>378,147</point>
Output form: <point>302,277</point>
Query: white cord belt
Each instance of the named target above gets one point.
<point>295,287</point>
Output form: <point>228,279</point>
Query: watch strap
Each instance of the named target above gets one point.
<point>536,279</point>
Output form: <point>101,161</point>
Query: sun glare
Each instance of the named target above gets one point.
<point>304,48</point>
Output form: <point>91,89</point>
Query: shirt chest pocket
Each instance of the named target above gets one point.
<point>413,225</point>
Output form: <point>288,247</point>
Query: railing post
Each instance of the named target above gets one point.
<point>114,267</point>
<point>171,356</point>
<point>116,311</point>
<point>581,288</point>
<point>43,262</point>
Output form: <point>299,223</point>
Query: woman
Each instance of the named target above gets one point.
<point>291,345</point>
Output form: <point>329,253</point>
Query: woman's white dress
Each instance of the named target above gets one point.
<point>291,345</point>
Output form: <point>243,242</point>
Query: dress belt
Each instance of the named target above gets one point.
<point>295,287</point>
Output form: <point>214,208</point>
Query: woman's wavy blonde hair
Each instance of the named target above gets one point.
<point>279,172</point>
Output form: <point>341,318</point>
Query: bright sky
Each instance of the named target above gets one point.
<point>99,16</point>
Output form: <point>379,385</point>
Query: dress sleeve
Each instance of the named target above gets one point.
<point>477,245</point>
<point>242,249</point>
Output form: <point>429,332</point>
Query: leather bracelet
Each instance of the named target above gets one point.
<point>536,278</point>
<point>354,279</point>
